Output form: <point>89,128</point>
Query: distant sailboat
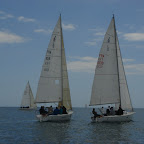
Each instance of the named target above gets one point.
<point>53,86</point>
<point>28,99</point>
<point>110,85</point>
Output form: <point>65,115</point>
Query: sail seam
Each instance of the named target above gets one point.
<point>110,35</point>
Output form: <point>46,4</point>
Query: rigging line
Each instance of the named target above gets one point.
<point>117,60</point>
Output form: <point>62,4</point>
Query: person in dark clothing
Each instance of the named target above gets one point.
<point>56,111</point>
<point>64,110</point>
<point>120,111</point>
<point>42,110</point>
<point>95,113</point>
<point>107,112</point>
<point>61,110</point>
<point>112,112</point>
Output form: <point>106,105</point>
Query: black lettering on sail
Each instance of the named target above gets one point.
<point>54,41</point>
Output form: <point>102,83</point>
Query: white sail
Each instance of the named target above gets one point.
<point>50,83</point>
<point>124,92</point>
<point>32,103</point>
<point>28,99</point>
<point>105,88</point>
<point>66,99</point>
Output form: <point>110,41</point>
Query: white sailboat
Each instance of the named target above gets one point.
<point>28,99</point>
<point>53,86</point>
<point>110,85</point>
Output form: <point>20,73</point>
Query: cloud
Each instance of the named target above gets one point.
<point>82,64</point>
<point>91,43</point>
<point>23,19</point>
<point>88,64</point>
<point>4,15</point>
<point>43,31</point>
<point>98,29</point>
<point>7,37</point>
<point>99,34</point>
<point>68,26</point>
<point>137,69</point>
<point>134,36</point>
<point>128,60</point>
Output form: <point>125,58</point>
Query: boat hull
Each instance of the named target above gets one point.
<point>116,118</point>
<point>54,118</point>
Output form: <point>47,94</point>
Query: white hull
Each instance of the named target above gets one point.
<point>55,118</point>
<point>116,118</point>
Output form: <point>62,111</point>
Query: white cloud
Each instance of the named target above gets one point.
<point>98,29</point>
<point>91,43</point>
<point>134,36</point>
<point>82,64</point>
<point>68,26</point>
<point>134,69</point>
<point>4,15</point>
<point>43,31</point>
<point>6,37</point>
<point>23,19</point>
<point>128,60</point>
<point>88,64</point>
<point>99,34</point>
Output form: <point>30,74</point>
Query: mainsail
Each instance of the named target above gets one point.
<point>53,85</point>
<point>110,85</point>
<point>105,88</point>
<point>50,82</point>
<point>28,99</point>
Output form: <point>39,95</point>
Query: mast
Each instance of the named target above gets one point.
<point>117,60</point>
<point>61,60</point>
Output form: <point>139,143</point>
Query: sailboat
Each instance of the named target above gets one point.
<point>110,84</point>
<point>53,86</point>
<point>28,99</point>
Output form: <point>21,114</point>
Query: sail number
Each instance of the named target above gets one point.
<point>100,61</point>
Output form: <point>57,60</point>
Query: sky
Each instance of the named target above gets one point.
<point>25,31</point>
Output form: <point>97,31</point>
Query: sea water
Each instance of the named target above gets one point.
<point>21,126</point>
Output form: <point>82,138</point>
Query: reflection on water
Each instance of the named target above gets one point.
<point>107,132</point>
<point>18,126</point>
<point>51,132</point>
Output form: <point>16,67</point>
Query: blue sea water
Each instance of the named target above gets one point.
<point>21,127</point>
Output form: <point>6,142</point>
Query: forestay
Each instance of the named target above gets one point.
<point>50,83</point>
